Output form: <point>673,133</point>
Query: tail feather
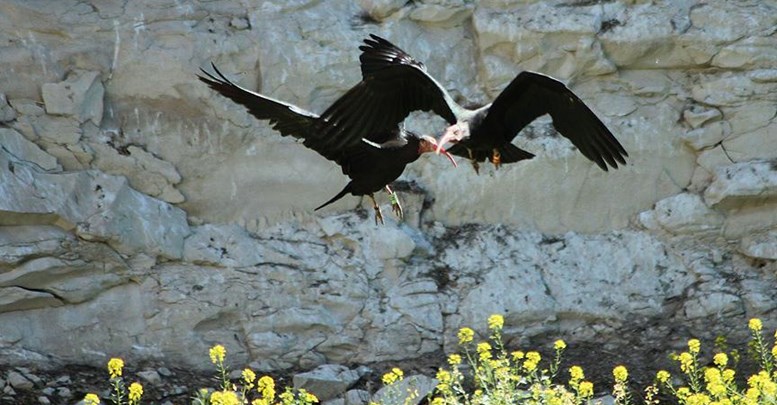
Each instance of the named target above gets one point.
<point>343,192</point>
<point>511,153</point>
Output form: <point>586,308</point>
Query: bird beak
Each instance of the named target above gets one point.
<point>429,144</point>
<point>448,155</point>
<point>450,135</point>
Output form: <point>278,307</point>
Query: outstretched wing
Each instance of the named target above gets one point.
<point>531,95</point>
<point>393,85</point>
<point>286,118</point>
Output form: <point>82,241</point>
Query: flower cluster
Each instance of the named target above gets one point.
<point>715,385</point>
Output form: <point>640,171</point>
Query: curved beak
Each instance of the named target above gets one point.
<point>450,135</point>
<point>429,144</point>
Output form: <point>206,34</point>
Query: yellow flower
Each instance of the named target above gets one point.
<point>91,399</point>
<point>620,373</point>
<point>662,376</point>
<point>559,345</point>
<point>529,365</point>
<point>728,375</point>
<point>266,386</point>
<point>683,392</point>
<point>755,325</point>
<point>586,389</point>
<point>115,365</point>
<point>307,397</point>
<point>686,362</point>
<point>443,376</point>
<point>576,373</point>
<point>484,350</point>
<point>399,373</point>
<point>438,401</point>
<point>720,359</point>
<point>697,399</point>
<point>249,376</point>
<point>517,355</point>
<point>533,356</point>
<point>224,398</point>
<point>454,359</point>
<point>496,322</point>
<point>774,350</point>
<point>465,335</point>
<point>694,346</point>
<point>135,392</point>
<point>286,397</point>
<point>389,378</point>
<point>217,354</point>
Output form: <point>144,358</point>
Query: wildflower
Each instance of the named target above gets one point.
<point>496,322</point>
<point>559,345</point>
<point>438,401</point>
<point>694,346</point>
<point>392,376</point>
<point>307,397</point>
<point>484,350</point>
<point>115,365</point>
<point>135,392</point>
<point>728,375</point>
<point>217,354</point>
<point>586,389</point>
<point>683,392</point>
<point>443,376</point>
<point>454,359</point>
<point>533,356</point>
<point>697,399</point>
<point>720,359</point>
<point>517,355</point>
<point>620,373</point>
<point>755,325</point>
<point>91,399</point>
<point>224,398</point>
<point>266,385</point>
<point>662,376</point>
<point>686,362</point>
<point>576,373</point>
<point>249,376</point>
<point>774,349</point>
<point>465,335</point>
<point>286,397</point>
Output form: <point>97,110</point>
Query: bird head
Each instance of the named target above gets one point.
<point>427,143</point>
<point>453,134</point>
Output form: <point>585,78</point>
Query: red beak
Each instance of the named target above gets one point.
<point>448,155</point>
<point>448,136</point>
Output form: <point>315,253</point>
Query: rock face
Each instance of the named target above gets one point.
<point>138,203</point>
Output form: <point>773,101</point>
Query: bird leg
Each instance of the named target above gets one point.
<point>496,158</point>
<point>395,205</point>
<point>378,215</point>
<point>475,164</point>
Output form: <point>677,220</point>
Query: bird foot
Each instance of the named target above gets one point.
<point>496,158</point>
<point>378,216</point>
<point>395,205</point>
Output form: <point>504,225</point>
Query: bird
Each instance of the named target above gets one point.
<point>372,160</point>
<point>394,84</point>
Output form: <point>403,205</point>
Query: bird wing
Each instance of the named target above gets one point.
<point>286,118</point>
<point>393,85</point>
<point>531,95</point>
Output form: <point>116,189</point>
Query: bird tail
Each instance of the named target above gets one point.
<point>511,153</point>
<point>339,195</point>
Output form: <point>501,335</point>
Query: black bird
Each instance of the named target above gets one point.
<point>394,84</point>
<point>371,159</point>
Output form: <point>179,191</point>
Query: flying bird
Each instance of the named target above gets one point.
<point>372,159</point>
<point>394,84</point>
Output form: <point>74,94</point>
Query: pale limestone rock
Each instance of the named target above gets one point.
<point>326,381</point>
<point>97,206</point>
<point>21,149</point>
<point>752,116</point>
<point>760,246</point>
<point>724,90</point>
<point>7,113</point>
<point>357,397</point>
<point>146,172</point>
<point>58,130</point>
<point>79,96</point>
<point>380,9</point>
<point>686,214</point>
<point>697,115</point>
<point>763,75</point>
<point>399,392</point>
<point>754,145</point>
<point>150,376</point>
<point>741,183</point>
<point>446,15</point>
<point>707,136</point>
<point>20,299</point>
<point>19,381</point>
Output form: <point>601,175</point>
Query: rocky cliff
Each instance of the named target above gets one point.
<point>142,215</point>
